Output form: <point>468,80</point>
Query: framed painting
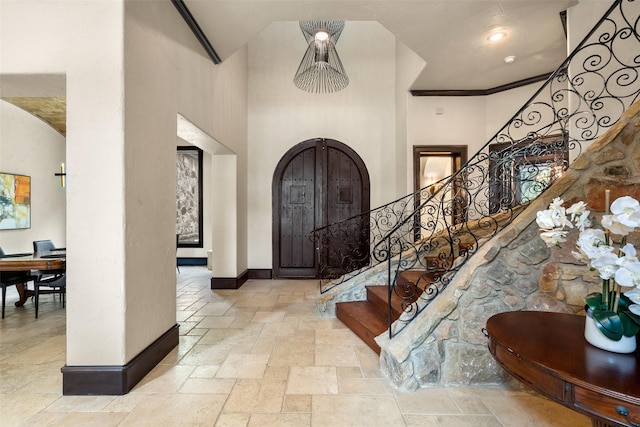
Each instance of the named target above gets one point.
<point>15,201</point>
<point>189,197</point>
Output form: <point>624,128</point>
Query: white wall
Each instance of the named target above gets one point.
<point>131,67</point>
<point>408,67</point>
<point>464,120</point>
<point>361,116</point>
<point>66,38</point>
<point>502,106</point>
<point>29,146</point>
<point>167,73</point>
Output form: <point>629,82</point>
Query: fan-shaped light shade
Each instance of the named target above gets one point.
<point>321,70</point>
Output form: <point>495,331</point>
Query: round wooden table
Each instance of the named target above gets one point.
<point>548,352</point>
<point>49,261</point>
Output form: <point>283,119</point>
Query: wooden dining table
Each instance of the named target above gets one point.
<point>49,261</point>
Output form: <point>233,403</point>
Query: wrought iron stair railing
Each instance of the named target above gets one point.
<point>437,229</point>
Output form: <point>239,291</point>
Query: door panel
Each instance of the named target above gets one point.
<point>297,212</point>
<point>345,250</point>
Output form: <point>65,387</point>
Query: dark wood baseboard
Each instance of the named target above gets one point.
<point>482,92</point>
<point>229,282</point>
<point>260,274</point>
<point>117,380</point>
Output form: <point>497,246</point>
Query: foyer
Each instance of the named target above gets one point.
<point>255,356</point>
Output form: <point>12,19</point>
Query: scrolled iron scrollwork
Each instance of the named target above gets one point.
<point>436,229</point>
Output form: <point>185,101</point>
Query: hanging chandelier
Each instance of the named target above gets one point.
<point>321,70</point>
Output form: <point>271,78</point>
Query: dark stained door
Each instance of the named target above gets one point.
<point>317,182</point>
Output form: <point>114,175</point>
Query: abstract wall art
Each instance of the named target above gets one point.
<point>15,201</point>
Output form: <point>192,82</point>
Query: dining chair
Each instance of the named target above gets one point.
<point>48,278</point>
<point>55,284</point>
<point>12,279</point>
<point>43,245</point>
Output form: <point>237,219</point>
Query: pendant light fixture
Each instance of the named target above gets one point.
<point>321,70</point>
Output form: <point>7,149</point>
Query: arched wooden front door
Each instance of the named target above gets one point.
<point>316,183</point>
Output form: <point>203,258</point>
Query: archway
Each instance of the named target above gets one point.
<point>316,183</point>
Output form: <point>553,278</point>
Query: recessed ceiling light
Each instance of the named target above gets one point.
<point>497,36</point>
<point>509,59</point>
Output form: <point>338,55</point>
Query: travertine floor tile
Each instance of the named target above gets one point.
<point>331,411</point>
<point>80,403</point>
<point>102,419</point>
<point>233,420</point>
<point>335,355</point>
<point>243,366</point>
<point>164,379</point>
<point>364,386</point>
<point>205,371</point>
<point>349,372</point>
<point>307,371</point>
<point>427,401</point>
<point>452,421</point>
<point>207,386</point>
<point>175,410</point>
<point>216,322</point>
<point>256,396</point>
<point>280,420</point>
<point>17,408</point>
<point>297,403</point>
<point>202,354</point>
<point>268,317</point>
<point>291,355</point>
<point>533,411</point>
<point>312,380</point>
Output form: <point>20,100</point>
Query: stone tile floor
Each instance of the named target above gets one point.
<point>256,356</point>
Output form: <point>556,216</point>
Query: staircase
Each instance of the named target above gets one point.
<point>370,318</point>
<point>479,200</point>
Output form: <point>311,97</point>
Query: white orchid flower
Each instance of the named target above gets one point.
<point>611,223</point>
<point>545,220</point>
<point>628,274</point>
<point>592,242</point>
<point>625,216</point>
<point>633,295</point>
<point>635,309</point>
<point>606,265</point>
<point>627,209</point>
<point>554,237</point>
<point>583,221</point>
<point>576,210</point>
<point>629,252</point>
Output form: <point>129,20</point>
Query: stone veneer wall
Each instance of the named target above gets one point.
<point>513,271</point>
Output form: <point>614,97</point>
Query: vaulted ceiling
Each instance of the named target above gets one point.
<point>451,36</point>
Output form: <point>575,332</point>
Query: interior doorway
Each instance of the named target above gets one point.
<point>431,164</point>
<point>316,183</point>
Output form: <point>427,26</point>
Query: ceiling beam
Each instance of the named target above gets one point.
<point>197,31</point>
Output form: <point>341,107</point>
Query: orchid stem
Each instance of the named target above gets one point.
<point>617,298</point>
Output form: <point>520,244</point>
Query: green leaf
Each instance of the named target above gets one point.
<point>629,324</point>
<point>624,302</point>
<point>609,323</point>
<point>594,301</point>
